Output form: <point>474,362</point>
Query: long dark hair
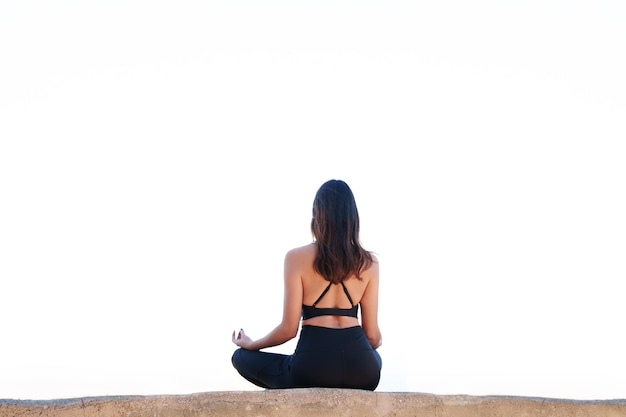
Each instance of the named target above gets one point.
<point>335,227</point>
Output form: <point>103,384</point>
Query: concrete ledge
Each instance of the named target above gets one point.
<point>316,402</point>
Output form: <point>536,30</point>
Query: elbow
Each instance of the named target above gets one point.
<point>376,343</point>
<point>289,332</point>
<point>375,339</point>
<point>292,333</point>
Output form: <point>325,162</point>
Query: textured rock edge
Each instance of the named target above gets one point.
<point>311,402</point>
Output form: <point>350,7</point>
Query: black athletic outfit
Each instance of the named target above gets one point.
<point>324,357</point>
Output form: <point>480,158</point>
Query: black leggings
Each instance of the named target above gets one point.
<point>324,357</point>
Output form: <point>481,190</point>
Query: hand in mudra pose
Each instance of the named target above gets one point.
<point>241,339</point>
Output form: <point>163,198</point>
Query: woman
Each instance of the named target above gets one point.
<point>325,282</point>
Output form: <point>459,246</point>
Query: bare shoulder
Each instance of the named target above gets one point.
<point>301,254</point>
<point>374,258</point>
<point>372,271</point>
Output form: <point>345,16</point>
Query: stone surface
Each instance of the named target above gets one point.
<point>311,402</point>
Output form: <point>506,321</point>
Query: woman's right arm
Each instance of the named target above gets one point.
<point>369,308</point>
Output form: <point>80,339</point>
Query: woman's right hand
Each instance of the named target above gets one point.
<point>241,339</point>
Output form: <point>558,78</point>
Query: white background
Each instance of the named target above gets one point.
<point>157,160</point>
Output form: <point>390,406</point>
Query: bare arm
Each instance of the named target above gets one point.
<point>292,307</point>
<point>369,308</point>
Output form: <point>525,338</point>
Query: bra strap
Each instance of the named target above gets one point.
<point>323,294</point>
<point>347,293</point>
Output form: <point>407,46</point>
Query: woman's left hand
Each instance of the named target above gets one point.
<point>241,339</point>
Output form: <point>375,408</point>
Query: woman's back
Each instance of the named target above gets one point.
<point>314,285</point>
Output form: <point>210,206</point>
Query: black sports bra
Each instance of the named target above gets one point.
<point>312,311</point>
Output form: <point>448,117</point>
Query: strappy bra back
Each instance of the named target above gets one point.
<point>312,311</point>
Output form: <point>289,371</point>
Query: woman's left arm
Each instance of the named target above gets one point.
<point>292,309</point>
